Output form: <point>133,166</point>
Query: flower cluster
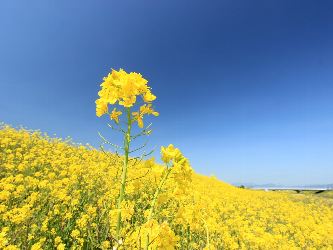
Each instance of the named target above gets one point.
<point>181,169</point>
<point>145,109</point>
<point>170,154</point>
<point>123,88</point>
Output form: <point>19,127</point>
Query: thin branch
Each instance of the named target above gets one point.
<point>102,148</point>
<point>134,150</point>
<point>107,142</point>
<point>117,129</point>
<point>134,158</point>
<point>154,239</point>
<point>137,160</point>
<point>108,154</point>
<point>143,132</point>
<point>152,151</point>
<point>140,176</point>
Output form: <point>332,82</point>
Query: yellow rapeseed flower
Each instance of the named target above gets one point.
<point>170,153</point>
<point>75,234</point>
<point>105,245</point>
<point>115,115</point>
<point>124,88</point>
<point>101,107</point>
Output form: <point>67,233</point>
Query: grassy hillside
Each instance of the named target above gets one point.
<point>56,195</point>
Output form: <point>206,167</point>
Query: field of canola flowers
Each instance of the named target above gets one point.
<point>55,194</point>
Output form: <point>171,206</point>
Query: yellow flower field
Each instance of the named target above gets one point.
<point>58,195</point>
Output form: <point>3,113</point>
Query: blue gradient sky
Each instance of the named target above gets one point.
<point>245,88</point>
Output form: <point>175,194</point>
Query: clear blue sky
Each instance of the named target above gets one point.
<point>245,88</point>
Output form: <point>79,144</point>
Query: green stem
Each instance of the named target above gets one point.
<point>207,233</point>
<point>127,140</point>
<point>157,192</point>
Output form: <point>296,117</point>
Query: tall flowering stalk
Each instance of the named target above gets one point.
<point>122,89</point>
<point>179,166</point>
<point>173,159</point>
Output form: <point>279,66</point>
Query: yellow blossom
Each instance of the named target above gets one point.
<point>105,245</point>
<point>169,153</point>
<point>61,246</point>
<point>122,87</point>
<point>57,240</point>
<point>115,115</point>
<point>149,97</point>
<point>144,110</point>
<point>101,107</point>
<point>75,233</point>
